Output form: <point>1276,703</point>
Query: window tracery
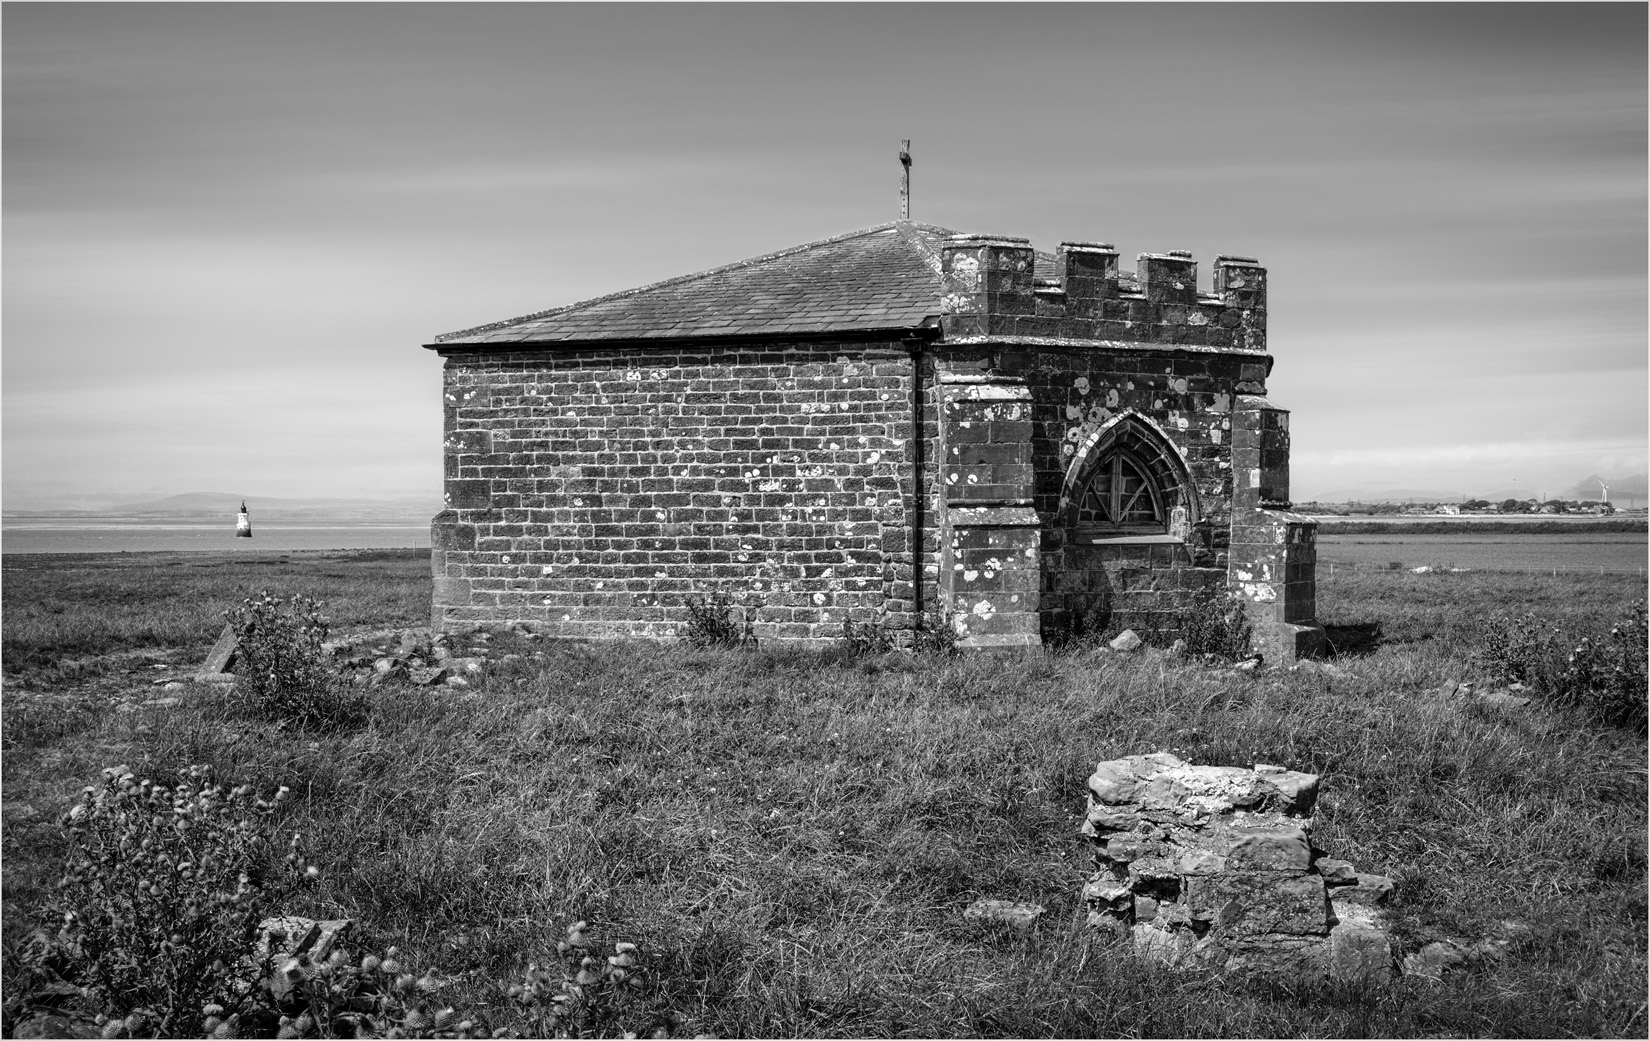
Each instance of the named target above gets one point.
<point>1122,496</point>
<point>1130,483</point>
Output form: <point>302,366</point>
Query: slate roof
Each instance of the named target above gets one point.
<point>881,278</point>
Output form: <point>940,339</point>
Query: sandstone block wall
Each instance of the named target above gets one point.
<point>589,491</point>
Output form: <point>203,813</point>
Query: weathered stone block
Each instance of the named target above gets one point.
<point>1262,902</point>
<point>1364,890</point>
<point>221,658</point>
<point>1334,871</point>
<point>1274,847</point>
<point>1166,278</point>
<point>1006,912</point>
<point>470,494</point>
<point>1360,952</point>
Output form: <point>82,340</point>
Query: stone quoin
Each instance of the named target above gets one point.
<point>898,424</point>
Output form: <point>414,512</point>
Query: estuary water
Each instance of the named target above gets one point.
<point>118,534</point>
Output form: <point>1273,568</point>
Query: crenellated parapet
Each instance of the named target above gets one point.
<point>992,288</point>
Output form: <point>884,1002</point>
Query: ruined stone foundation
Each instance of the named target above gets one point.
<point>1213,866</point>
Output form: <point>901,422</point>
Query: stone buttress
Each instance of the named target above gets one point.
<point>989,573</point>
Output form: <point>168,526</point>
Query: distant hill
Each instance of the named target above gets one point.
<point>1385,495</point>
<point>1621,489</point>
<point>225,505</point>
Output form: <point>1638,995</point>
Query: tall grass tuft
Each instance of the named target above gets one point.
<point>865,639</point>
<point>715,620</point>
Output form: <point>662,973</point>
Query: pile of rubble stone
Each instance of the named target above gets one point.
<point>418,658</point>
<point>412,656</point>
<point>1213,866</point>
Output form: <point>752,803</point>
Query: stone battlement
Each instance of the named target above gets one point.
<point>992,287</point>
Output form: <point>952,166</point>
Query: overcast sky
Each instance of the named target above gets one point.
<point>229,229</point>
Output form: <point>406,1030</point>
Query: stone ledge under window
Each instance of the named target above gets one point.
<point>1128,540</point>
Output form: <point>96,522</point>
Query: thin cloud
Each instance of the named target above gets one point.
<point>637,172</point>
<point>1625,455</point>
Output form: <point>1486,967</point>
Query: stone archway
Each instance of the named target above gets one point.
<point>1131,539</point>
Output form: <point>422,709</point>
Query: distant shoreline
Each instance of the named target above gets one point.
<point>60,535</point>
<point>1514,525</point>
<point>104,521</point>
<point>200,522</point>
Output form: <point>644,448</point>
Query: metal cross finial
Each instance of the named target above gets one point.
<point>905,180</point>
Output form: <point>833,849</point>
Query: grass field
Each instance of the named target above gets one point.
<point>63,609</point>
<point>792,837</point>
<point>1620,553</point>
<point>1488,524</point>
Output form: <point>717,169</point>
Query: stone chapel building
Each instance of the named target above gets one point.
<point>896,424</point>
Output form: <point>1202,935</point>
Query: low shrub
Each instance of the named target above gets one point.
<point>581,994</point>
<point>158,933</point>
<point>1083,629</point>
<point>1519,649</point>
<point>936,635</point>
<point>157,914</point>
<point>1602,676</point>
<point>281,669</point>
<point>864,639</point>
<point>716,620</point>
<point>1605,676</point>
<point>344,995</point>
<point>1216,623</point>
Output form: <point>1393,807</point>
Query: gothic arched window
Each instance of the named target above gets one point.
<point>1122,497</point>
<point>1128,482</point>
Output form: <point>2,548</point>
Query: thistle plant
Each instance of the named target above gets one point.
<point>587,995</point>
<point>936,634</point>
<point>344,995</point>
<point>340,995</point>
<point>1604,676</point>
<point>158,912</point>
<point>281,668</point>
